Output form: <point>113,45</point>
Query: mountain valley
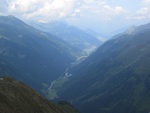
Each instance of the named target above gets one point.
<point>62,62</point>
<point>78,38</point>
<point>38,57</point>
<point>115,78</point>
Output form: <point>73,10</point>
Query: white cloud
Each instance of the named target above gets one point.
<point>144,11</point>
<point>119,10</point>
<point>146,2</point>
<point>114,10</point>
<point>100,9</point>
<point>41,10</point>
<point>76,13</point>
<point>139,17</point>
<point>81,12</point>
<point>46,10</point>
<point>23,6</point>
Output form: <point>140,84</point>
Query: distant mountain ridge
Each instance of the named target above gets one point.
<point>71,34</point>
<point>115,78</point>
<point>101,37</point>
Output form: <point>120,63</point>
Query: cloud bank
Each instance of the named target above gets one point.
<point>47,10</point>
<point>44,10</point>
<point>86,12</point>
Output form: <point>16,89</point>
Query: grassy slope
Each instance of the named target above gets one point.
<point>15,97</point>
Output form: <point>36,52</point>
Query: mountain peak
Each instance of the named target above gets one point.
<point>131,30</point>
<point>11,20</point>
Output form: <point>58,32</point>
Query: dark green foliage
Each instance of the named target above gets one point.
<point>15,97</point>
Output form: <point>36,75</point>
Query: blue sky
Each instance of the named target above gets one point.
<point>103,16</point>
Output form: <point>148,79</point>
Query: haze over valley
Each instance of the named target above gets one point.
<point>71,56</point>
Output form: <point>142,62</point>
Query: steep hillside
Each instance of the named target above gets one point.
<point>15,97</point>
<point>37,56</point>
<point>114,79</point>
<point>73,35</point>
<point>6,68</point>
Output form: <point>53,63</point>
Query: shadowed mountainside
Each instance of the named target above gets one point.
<point>38,57</point>
<point>114,79</point>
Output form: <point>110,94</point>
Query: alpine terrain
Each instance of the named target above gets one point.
<point>115,78</point>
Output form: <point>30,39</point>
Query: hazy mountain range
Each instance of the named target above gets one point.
<point>78,38</point>
<point>112,79</point>
<point>33,57</point>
